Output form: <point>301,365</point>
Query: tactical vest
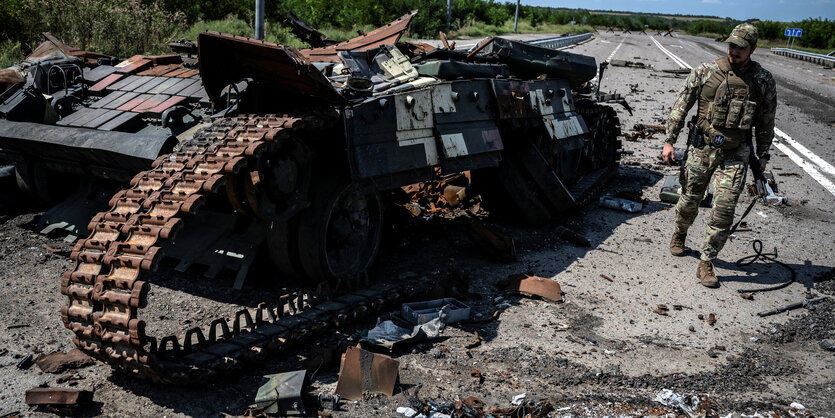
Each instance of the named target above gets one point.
<point>727,105</point>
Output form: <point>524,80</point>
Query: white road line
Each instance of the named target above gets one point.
<point>822,165</point>
<point>616,48</point>
<point>809,167</point>
<point>672,56</point>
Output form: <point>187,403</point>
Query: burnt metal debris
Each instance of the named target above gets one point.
<point>269,143</point>
<point>363,371</point>
<point>58,397</point>
<point>530,285</point>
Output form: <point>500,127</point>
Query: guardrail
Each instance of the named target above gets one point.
<point>821,59</point>
<point>562,41</point>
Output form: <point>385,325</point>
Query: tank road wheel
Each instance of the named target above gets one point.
<point>339,235</point>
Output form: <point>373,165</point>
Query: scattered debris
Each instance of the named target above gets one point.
<point>518,399</point>
<point>386,334</point>
<point>609,201</point>
<point>606,277</point>
<point>422,312</point>
<point>475,342</point>
<point>25,362</point>
<point>329,401</point>
<point>692,406</point>
<point>571,236</point>
<point>17,326</point>
<point>790,174</point>
<point>63,400</point>
<point>806,303</point>
<point>747,296</point>
<point>692,328</point>
<point>281,393</point>
<point>58,362</point>
<point>662,310</point>
<point>711,319</point>
<point>477,374</point>
<point>632,64</point>
<point>530,285</point>
<point>827,345</point>
<point>363,371</point>
<point>634,88</point>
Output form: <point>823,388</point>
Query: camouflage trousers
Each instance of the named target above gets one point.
<point>729,171</point>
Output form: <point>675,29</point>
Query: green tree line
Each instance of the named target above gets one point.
<point>123,27</point>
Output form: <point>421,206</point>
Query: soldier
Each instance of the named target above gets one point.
<point>735,94</point>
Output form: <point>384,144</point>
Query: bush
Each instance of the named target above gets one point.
<point>123,27</point>
<point>10,53</point>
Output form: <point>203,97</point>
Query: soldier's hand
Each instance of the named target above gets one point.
<point>668,154</point>
<point>763,163</point>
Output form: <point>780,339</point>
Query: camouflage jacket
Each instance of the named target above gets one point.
<point>763,119</point>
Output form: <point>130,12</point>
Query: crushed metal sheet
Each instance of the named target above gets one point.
<point>363,371</point>
<point>530,285</point>
<point>388,34</point>
<point>281,393</point>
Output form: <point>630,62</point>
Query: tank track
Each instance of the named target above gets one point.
<point>108,287</point>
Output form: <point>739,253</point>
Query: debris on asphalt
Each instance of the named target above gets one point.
<point>530,285</point>
<point>631,64</point>
<point>475,342</point>
<point>477,374</point>
<point>711,319</point>
<point>606,277</point>
<point>806,303</point>
<point>612,202</point>
<point>662,310</point>
<point>281,393</point>
<point>827,345</point>
<point>691,328</point>
<point>420,313</point>
<point>58,362</point>
<point>25,362</point>
<point>692,405</point>
<point>386,334</point>
<point>362,371</point>
<point>63,400</point>
<point>571,236</point>
<point>518,399</point>
<point>329,401</point>
<point>747,296</point>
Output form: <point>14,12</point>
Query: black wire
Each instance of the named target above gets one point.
<point>771,257</point>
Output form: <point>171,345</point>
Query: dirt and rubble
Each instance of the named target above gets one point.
<point>603,351</point>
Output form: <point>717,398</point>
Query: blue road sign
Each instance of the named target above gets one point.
<point>795,32</point>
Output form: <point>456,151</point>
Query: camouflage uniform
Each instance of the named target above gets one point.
<point>728,165</point>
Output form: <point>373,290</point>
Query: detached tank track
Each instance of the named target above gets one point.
<point>107,288</point>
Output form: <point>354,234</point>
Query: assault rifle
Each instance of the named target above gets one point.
<point>763,188</point>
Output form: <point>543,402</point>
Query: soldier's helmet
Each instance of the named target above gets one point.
<point>743,35</point>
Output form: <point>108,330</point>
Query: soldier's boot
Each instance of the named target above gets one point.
<point>677,244</point>
<point>706,275</point>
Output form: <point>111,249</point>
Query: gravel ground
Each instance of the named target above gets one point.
<point>604,351</point>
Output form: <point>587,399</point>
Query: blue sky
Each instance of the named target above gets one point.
<point>779,10</point>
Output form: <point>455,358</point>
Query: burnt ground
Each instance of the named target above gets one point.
<point>602,352</point>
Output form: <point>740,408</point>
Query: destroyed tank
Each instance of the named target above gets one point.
<point>237,144</point>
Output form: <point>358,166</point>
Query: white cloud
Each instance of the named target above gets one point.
<point>711,1</point>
